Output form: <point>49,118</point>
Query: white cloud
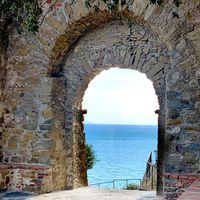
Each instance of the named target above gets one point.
<point>120,96</point>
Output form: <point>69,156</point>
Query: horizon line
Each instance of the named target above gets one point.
<point>91,123</point>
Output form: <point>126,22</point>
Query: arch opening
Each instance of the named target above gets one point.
<point>99,50</point>
<point>121,125</point>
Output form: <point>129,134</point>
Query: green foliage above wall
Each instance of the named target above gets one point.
<point>27,15</point>
<point>22,14</point>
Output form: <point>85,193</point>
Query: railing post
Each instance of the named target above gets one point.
<point>146,178</point>
<point>126,183</point>
<point>115,180</point>
<point>152,177</point>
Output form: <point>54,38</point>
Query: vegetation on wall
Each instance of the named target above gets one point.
<point>27,15</point>
<point>22,14</point>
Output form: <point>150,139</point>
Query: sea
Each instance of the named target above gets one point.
<point>121,151</point>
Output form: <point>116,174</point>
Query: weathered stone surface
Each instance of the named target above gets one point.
<point>44,144</point>
<point>173,114</point>
<point>47,74</point>
<point>33,178</point>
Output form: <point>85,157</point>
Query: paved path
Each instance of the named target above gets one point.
<point>91,194</point>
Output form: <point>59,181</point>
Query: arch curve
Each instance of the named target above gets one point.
<point>100,49</point>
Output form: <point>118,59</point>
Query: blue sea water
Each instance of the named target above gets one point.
<point>122,150</point>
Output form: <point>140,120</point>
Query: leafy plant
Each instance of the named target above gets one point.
<point>132,186</point>
<point>90,156</point>
<point>23,14</point>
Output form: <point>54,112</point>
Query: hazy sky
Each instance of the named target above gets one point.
<point>120,96</point>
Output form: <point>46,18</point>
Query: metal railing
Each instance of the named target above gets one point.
<point>149,178</point>
<point>148,182</point>
<point>114,182</point>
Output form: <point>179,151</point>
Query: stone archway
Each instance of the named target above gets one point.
<point>39,110</point>
<point>102,49</point>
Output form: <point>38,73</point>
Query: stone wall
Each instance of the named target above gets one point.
<point>176,184</point>
<point>192,192</point>
<point>47,74</point>
<point>32,178</point>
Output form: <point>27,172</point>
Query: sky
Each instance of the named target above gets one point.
<point>120,96</point>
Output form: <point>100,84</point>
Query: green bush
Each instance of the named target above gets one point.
<point>132,186</point>
<point>90,156</point>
